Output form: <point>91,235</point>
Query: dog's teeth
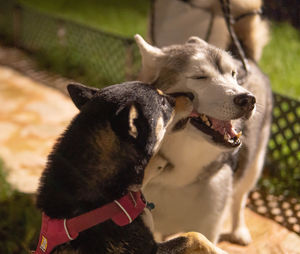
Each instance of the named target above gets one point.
<point>205,119</point>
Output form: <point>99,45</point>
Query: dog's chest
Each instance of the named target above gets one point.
<point>189,154</point>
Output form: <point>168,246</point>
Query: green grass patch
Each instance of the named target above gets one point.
<point>20,220</point>
<point>122,17</point>
<point>5,189</point>
<point>280,59</point>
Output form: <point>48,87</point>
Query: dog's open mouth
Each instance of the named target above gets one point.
<point>221,131</point>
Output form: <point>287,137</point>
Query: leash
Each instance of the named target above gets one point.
<point>226,9</point>
<point>225,4</point>
<point>122,212</point>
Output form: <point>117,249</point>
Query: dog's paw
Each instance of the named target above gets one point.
<point>240,236</point>
<point>199,244</point>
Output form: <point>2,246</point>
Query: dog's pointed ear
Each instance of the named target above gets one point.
<point>197,40</point>
<point>125,120</point>
<point>150,58</point>
<point>132,116</point>
<point>81,94</point>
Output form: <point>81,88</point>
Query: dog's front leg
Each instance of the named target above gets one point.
<point>189,243</point>
<point>240,233</point>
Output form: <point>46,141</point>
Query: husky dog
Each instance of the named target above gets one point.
<point>207,160</point>
<point>174,21</point>
<point>102,157</point>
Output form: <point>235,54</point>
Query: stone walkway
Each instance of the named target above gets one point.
<point>31,118</point>
<point>268,238</point>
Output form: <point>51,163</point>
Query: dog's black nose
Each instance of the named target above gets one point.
<point>246,101</point>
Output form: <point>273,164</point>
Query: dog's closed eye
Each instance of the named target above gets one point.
<point>198,77</point>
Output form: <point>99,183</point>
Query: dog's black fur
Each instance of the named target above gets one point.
<point>97,160</point>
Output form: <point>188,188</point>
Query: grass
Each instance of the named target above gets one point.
<point>20,228</point>
<point>122,17</point>
<point>5,190</point>
<point>281,59</point>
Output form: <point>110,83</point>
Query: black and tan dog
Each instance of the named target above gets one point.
<point>99,163</point>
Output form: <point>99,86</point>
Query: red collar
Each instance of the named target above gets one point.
<point>58,231</point>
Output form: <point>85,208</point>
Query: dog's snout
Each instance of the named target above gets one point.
<point>246,101</point>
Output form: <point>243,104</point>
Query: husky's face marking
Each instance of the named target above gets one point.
<point>210,74</point>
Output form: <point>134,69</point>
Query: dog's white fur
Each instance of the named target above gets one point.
<point>195,193</point>
<point>157,162</point>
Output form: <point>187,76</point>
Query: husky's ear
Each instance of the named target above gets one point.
<point>195,39</point>
<point>150,58</point>
<point>81,94</point>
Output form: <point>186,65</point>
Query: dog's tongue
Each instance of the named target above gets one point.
<point>222,127</point>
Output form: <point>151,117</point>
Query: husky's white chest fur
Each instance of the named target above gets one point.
<point>187,188</point>
<point>185,149</point>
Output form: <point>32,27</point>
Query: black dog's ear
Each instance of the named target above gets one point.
<point>127,120</point>
<point>81,94</point>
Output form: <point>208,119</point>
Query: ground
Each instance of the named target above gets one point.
<point>268,238</point>
<point>31,117</point>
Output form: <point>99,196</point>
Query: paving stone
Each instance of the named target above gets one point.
<point>32,116</point>
<point>268,238</point>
